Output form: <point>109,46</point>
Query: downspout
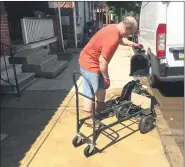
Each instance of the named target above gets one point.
<point>74,22</point>
<point>93,13</point>
<point>102,14</point>
<point>99,14</point>
<point>60,22</point>
<point>84,14</point>
<point>96,15</point>
<point>89,13</point>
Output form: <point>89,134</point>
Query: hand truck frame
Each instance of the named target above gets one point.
<point>121,107</point>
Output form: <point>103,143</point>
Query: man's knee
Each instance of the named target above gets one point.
<point>93,81</point>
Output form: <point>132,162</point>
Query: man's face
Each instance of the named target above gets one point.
<point>129,31</point>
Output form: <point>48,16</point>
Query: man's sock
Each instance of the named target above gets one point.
<point>100,106</point>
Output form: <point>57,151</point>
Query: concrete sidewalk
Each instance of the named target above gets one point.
<point>53,148</point>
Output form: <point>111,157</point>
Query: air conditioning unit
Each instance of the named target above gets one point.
<point>78,19</point>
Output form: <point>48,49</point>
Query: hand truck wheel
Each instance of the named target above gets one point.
<point>77,141</point>
<point>146,124</point>
<point>89,150</point>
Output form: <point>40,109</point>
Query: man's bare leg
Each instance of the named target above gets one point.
<point>100,95</point>
<point>88,110</point>
<point>87,105</point>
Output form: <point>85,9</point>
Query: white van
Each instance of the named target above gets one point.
<point>161,31</point>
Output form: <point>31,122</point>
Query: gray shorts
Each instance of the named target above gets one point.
<point>96,80</point>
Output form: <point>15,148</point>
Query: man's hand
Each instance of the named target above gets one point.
<point>137,45</point>
<point>107,83</point>
<point>126,42</point>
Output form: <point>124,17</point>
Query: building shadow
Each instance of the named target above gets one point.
<point>24,118</point>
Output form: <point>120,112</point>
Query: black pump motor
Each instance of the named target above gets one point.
<point>139,65</point>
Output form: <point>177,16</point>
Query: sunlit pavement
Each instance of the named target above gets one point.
<point>54,145</point>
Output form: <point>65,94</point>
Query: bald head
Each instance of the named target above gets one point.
<point>128,26</point>
<point>130,23</point>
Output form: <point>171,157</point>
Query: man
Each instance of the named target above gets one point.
<point>97,54</point>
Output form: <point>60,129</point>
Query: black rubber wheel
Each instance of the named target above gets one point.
<point>153,81</point>
<point>89,150</point>
<point>77,141</point>
<point>146,124</point>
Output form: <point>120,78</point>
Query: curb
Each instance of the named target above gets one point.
<point>172,151</point>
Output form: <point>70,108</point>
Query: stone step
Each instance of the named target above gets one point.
<point>50,62</point>
<point>25,47</point>
<point>28,56</point>
<point>53,71</point>
<point>40,65</point>
<point>24,80</point>
<point>10,71</point>
<point>10,68</point>
<point>44,61</point>
<point>5,63</point>
<point>3,136</point>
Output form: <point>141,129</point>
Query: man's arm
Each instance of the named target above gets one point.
<point>104,66</point>
<point>110,43</point>
<point>126,42</point>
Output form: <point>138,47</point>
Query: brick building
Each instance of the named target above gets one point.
<point>4,29</point>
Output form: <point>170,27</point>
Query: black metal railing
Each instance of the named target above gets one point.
<point>11,51</point>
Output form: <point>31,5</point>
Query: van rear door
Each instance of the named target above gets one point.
<point>175,34</point>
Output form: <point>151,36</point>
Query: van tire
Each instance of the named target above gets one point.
<point>153,81</point>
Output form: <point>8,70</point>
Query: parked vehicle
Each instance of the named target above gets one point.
<point>161,31</point>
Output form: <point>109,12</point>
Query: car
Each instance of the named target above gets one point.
<point>161,31</point>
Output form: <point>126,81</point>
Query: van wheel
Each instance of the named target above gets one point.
<point>152,79</point>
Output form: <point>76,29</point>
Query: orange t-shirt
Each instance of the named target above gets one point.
<point>104,43</point>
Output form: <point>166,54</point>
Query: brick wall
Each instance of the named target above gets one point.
<point>5,36</point>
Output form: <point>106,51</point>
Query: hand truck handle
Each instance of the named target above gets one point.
<point>76,87</point>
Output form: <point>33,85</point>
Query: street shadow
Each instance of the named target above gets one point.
<point>170,89</point>
<point>115,136</point>
<point>118,138</point>
<point>24,118</point>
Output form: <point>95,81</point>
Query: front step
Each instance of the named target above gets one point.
<point>7,74</point>
<point>24,80</point>
<point>10,71</point>
<point>53,71</point>
<point>28,56</point>
<point>40,64</point>
<point>47,65</point>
